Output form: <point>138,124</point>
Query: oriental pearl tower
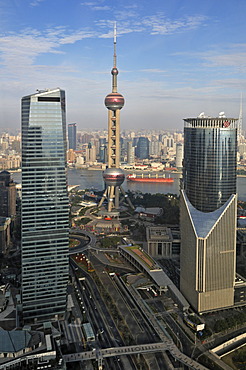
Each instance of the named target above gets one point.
<point>113,176</point>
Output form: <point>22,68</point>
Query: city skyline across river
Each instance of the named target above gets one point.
<point>93,179</point>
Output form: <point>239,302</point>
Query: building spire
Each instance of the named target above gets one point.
<point>114,71</point>
<point>240,120</point>
<point>115,44</point>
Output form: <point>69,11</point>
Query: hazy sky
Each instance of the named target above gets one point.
<point>176,58</point>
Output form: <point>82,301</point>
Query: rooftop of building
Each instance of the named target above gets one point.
<point>142,257</point>
<point>14,341</point>
<point>156,273</point>
<point>158,233</point>
<point>204,121</point>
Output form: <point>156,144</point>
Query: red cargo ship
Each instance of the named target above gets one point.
<point>143,178</point>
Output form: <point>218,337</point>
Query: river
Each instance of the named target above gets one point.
<point>93,179</point>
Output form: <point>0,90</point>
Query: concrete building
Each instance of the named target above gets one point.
<point>208,213</point>
<point>7,195</point>
<point>155,148</point>
<point>45,226</point>
<point>90,153</point>
<point>4,234</point>
<point>130,153</point>
<point>159,241</point>
<point>179,155</point>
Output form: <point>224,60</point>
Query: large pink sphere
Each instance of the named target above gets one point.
<point>113,176</point>
<point>114,101</point>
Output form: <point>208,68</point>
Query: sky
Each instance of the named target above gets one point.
<point>176,58</point>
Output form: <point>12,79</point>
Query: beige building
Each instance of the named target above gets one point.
<point>208,254</point>
<point>4,234</point>
<point>159,241</point>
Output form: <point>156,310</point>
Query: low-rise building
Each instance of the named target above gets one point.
<point>159,241</point>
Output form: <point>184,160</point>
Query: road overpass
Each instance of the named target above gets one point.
<point>97,354</point>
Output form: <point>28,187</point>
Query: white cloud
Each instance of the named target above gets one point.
<point>21,49</point>
<point>236,60</point>
<point>36,2</point>
<point>153,70</point>
<point>101,8</point>
<point>221,56</point>
<point>159,24</point>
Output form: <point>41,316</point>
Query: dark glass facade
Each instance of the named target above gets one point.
<point>72,136</point>
<point>209,167</point>
<point>142,149</point>
<point>45,227</point>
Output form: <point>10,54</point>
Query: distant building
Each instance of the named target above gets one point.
<point>4,234</point>
<point>72,136</point>
<point>155,148</point>
<point>130,153</point>
<point>90,153</point>
<point>149,214</point>
<point>45,226</point>
<point>7,195</point>
<point>102,150</point>
<point>142,149</point>
<point>208,213</point>
<point>179,155</point>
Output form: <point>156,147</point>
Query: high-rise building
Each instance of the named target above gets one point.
<point>90,153</point>
<point>179,155</point>
<point>7,195</point>
<point>102,150</point>
<point>208,213</point>
<point>72,136</point>
<point>45,227</point>
<point>130,153</point>
<point>142,149</point>
<point>155,148</point>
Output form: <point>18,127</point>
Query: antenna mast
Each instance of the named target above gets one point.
<point>240,121</point>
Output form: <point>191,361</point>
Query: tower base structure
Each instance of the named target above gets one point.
<point>113,196</point>
<point>208,245</point>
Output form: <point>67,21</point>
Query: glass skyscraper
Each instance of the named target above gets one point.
<point>142,149</point>
<point>210,153</point>
<point>208,213</point>
<point>72,136</point>
<point>45,226</point>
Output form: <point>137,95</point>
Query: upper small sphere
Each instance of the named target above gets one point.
<point>114,71</point>
<point>114,101</point>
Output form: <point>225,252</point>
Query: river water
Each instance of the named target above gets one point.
<point>93,179</point>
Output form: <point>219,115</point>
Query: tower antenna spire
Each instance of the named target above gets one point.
<point>115,34</point>
<point>240,120</point>
<point>114,71</point>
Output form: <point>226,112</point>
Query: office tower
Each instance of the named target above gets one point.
<point>90,153</point>
<point>45,227</point>
<point>179,155</point>
<point>113,176</point>
<point>102,150</point>
<point>155,148</point>
<point>7,195</point>
<point>72,136</point>
<point>142,149</point>
<point>130,153</point>
<point>240,122</point>
<point>208,212</point>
